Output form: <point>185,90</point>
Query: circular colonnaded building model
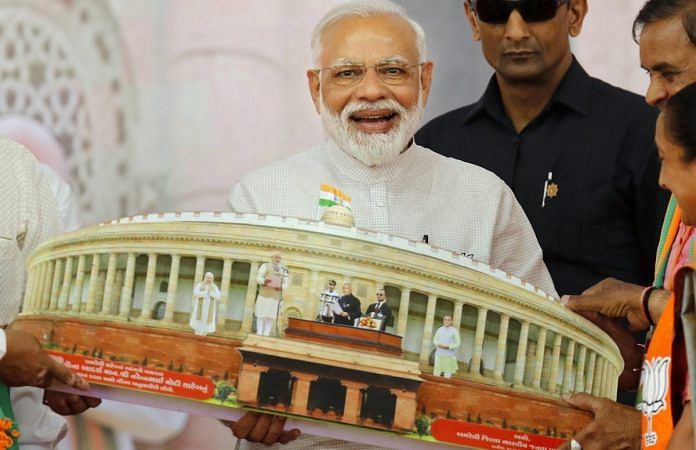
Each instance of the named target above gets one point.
<point>123,291</point>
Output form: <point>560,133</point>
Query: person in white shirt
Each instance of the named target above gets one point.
<point>370,82</point>
<point>446,341</point>
<point>204,313</point>
<point>30,216</point>
<point>272,279</point>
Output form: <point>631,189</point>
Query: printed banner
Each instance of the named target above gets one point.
<point>489,438</point>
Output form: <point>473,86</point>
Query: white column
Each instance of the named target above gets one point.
<point>31,302</point>
<point>200,267</point>
<point>501,351</point>
<point>539,358</point>
<point>521,359</point>
<point>597,385</point>
<point>146,312</point>
<point>93,283</point>
<point>56,284</point>
<point>248,316</point>
<point>607,379</point>
<point>580,373</point>
<point>403,311</point>
<point>171,291</point>
<point>119,279</point>
<point>65,289</point>
<point>127,291</point>
<point>79,283</point>
<point>589,382</point>
<point>109,285</point>
<point>224,293</point>
<point>478,341</point>
<point>568,371</point>
<point>47,283</point>
<point>457,315</point>
<point>555,363</point>
<point>428,329</point>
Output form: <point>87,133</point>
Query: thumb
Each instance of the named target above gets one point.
<point>586,302</point>
<point>66,376</point>
<point>584,401</point>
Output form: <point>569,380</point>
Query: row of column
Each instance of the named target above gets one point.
<point>53,283</point>
<point>594,374</point>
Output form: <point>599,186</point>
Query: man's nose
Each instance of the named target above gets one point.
<point>516,29</point>
<point>656,94</point>
<point>371,88</point>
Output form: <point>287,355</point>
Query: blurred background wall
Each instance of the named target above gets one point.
<point>153,105</point>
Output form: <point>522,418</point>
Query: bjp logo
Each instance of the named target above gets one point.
<point>655,389</point>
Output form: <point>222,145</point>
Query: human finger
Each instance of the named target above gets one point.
<point>57,403</point>
<point>589,302</point>
<point>64,375</point>
<point>598,287</point>
<point>289,436</point>
<point>258,433</point>
<point>243,427</point>
<point>275,430</point>
<point>584,401</point>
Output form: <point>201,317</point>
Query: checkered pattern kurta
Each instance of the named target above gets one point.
<point>29,216</point>
<point>461,207</point>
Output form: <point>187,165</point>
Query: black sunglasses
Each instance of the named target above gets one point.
<point>498,11</point>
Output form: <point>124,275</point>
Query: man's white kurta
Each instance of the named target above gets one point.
<point>204,311</point>
<point>266,306</point>
<point>29,217</point>
<point>459,206</point>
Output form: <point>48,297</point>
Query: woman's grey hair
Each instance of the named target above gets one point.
<point>364,8</point>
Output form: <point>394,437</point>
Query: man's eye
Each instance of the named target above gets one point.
<point>669,76</point>
<point>347,73</point>
<point>392,71</point>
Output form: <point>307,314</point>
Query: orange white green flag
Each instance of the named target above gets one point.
<point>331,195</point>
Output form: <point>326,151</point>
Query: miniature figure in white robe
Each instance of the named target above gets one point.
<point>446,342</point>
<point>205,298</point>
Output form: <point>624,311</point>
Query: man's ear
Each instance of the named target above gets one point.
<point>473,21</point>
<point>314,83</point>
<point>577,10</point>
<point>426,80</point>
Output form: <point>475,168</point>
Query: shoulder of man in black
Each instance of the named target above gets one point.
<point>440,133</point>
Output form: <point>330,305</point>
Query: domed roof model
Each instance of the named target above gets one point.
<point>119,297</point>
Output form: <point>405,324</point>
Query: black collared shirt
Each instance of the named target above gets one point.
<point>597,142</point>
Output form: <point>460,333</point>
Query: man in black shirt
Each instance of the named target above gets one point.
<point>578,153</point>
<point>380,309</point>
<point>350,304</point>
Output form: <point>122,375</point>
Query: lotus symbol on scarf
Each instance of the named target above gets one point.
<point>655,388</point>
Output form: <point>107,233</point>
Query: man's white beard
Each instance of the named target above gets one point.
<point>373,149</point>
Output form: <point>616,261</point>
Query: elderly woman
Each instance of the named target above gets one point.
<point>667,408</point>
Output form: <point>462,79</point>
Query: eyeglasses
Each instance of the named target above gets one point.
<point>347,75</point>
<point>498,11</point>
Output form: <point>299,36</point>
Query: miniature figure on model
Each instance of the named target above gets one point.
<point>272,279</point>
<point>206,296</point>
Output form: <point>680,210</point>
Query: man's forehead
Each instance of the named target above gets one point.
<point>371,37</point>
<point>666,32</point>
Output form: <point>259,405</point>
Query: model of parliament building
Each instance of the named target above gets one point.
<point>123,291</point>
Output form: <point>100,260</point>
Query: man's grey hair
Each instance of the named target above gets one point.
<point>364,8</point>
